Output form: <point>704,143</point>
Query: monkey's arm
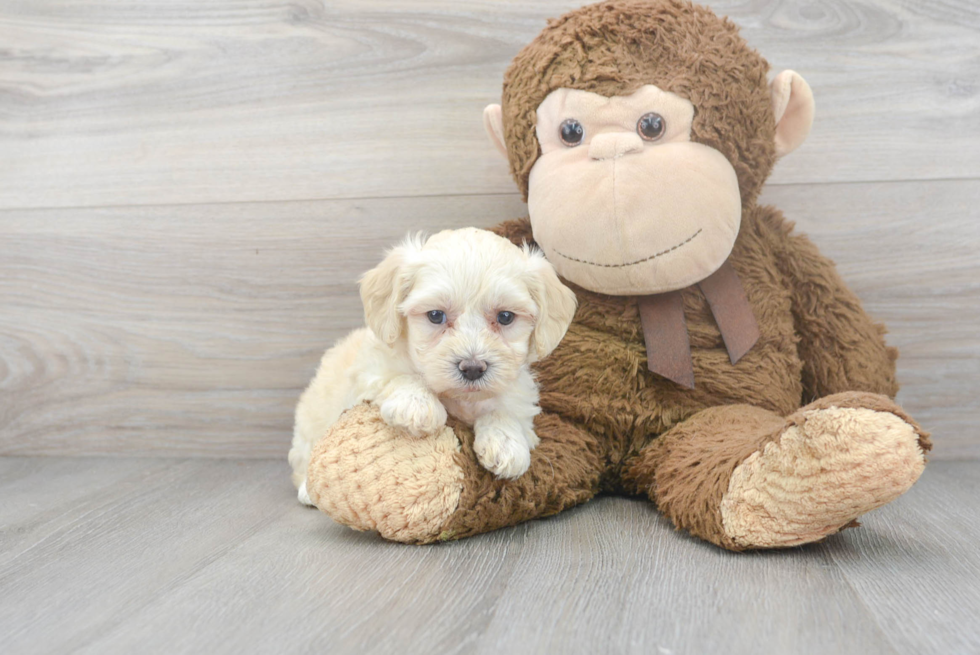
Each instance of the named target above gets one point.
<point>370,476</point>
<point>842,348</point>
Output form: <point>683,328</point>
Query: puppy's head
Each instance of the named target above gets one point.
<point>468,307</point>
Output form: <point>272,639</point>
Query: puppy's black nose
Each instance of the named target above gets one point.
<point>472,369</point>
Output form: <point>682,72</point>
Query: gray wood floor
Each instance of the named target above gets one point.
<point>115,555</point>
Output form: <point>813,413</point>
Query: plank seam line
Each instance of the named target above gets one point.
<point>10,209</point>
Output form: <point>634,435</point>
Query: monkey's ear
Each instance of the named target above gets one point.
<point>792,104</point>
<point>385,286</point>
<point>493,123</point>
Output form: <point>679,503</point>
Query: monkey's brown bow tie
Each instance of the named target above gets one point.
<point>665,330</point>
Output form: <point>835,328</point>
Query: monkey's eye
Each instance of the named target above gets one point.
<point>651,126</point>
<point>505,318</point>
<point>571,132</point>
<point>436,316</point>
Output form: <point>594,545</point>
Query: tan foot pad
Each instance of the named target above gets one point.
<point>370,476</point>
<point>819,476</point>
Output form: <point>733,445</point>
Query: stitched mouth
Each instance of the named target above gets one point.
<point>632,263</point>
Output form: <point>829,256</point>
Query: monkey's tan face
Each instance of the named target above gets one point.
<point>622,201</point>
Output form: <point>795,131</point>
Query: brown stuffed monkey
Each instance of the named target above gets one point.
<point>717,363</point>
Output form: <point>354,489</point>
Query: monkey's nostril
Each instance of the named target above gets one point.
<point>472,369</point>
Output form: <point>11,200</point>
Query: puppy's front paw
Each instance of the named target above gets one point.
<point>501,451</point>
<point>420,414</point>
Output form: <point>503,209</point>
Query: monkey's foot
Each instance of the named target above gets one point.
<point>837,459</point>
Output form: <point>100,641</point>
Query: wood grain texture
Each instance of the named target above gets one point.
<point>191,189</point>
<point>911,251</point>
<point>120,546</point>
<point>216,556</point>
<point>121,103</point>
<point>191,330</point>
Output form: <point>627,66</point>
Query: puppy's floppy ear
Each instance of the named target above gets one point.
<point>385,286</point>
<point>556,304</point>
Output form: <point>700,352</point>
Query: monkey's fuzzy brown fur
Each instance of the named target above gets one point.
<point>607,423</point>
<point>604,412</point>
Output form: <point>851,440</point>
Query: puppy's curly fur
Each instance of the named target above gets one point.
<point>453,324</point>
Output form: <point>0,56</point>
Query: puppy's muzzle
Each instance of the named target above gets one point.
<point>472,369</point>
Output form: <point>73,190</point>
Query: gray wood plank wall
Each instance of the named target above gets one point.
<point>189,192</point>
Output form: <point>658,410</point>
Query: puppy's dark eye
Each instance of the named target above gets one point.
<point>436,316</point>
<point>571,132</point>
<point>651,126</point>
<point>505,318</point>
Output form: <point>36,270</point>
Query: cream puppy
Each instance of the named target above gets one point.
<point>453,324</point>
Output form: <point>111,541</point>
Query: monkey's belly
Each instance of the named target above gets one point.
<point>598,375</point>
